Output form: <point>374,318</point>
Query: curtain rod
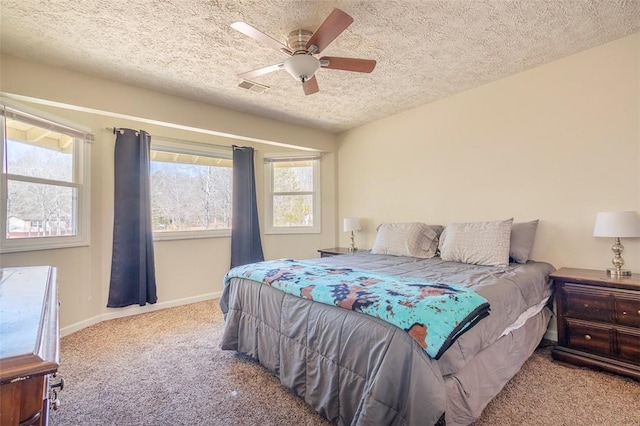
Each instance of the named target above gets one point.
<point>243,147</point>
<point>118,129</point>
<point>164,138</point>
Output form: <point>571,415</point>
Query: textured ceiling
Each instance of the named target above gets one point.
<point>426,50</point>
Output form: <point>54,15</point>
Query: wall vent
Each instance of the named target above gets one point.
<point>253,86</point>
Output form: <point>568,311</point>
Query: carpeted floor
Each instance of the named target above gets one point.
<point>166,368</point>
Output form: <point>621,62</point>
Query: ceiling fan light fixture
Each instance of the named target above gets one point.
<point>301,66</point>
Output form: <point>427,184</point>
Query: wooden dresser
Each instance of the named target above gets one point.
<point>598,320</point>
<point>29,343</point>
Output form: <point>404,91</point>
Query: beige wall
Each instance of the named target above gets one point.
<point>559,142</point>
<point>187,270</point>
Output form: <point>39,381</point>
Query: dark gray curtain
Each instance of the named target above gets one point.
<point>133,277</point>
<point>246,246</point>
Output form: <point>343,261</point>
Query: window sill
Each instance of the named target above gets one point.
<point>190,235</point>
<point>285,231</point>
<point>51,243</point>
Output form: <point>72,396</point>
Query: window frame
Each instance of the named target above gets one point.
<point>269,160</point>
<point>81,161</point>
<point>179,146</point>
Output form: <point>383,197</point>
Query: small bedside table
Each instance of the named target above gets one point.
<point>334,251</point>
<point>598,320</point>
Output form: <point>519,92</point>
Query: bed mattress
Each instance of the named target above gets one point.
<point>356,369</point>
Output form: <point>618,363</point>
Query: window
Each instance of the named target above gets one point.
<point>293,194</point>
<point>190,189</point>
<point>45,181</point>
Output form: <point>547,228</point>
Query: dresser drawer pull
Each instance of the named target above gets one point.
<point>624,312</point>
<point>586,305</point>
<point>587,337</point>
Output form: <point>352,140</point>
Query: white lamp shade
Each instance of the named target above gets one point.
<point>617,224</point>
<point>351,224</point>
<point>301,67</point>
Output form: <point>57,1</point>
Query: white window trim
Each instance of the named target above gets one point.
<point>193,148</point>
<point>191,235</point>
<point>268,179</point>
<point>82,162</point>
<point>180,146</point>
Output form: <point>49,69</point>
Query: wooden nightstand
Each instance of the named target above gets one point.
<point>598,320</point>
<point>334,251</point>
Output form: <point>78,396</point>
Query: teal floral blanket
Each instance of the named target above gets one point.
<point>434,314</point>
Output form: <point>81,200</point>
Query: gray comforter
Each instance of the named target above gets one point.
<point>356,369</point>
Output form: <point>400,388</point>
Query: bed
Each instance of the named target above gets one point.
<point>355,368</point>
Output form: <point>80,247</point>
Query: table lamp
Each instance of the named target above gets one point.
<point>352,224</point>
<point>617,225</point>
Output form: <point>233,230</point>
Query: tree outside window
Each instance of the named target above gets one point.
<point>45,191</point>
<point>293,194</point>
<point>190,190</point>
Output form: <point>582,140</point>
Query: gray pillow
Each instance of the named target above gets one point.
<point>477,243</point>
<point>522,235</point>
<point>407,239</point>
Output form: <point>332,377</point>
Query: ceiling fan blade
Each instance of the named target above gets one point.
<point>249,31</point>
<point>311,86</point>
<point>348,64</point>
<point>332,27</point>
<point>261,71</point>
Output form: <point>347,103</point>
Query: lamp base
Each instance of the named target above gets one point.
<point>618,273</point>
<point>352,246</point>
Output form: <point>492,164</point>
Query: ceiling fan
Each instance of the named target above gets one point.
<point>301,47</point>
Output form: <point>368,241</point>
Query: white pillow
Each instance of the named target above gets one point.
<point>407,239</point>
<point>522,235</point>
<point>478,243</point>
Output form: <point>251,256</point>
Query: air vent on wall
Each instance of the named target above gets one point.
<point>253,86</point>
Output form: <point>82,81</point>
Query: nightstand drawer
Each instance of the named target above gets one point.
<point>629,345</point>
<point>589,337</point>
<point>587,303</point>
<point>627,312</point>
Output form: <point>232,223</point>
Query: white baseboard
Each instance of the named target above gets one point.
<point>114,313</point>
<point>551,335</point>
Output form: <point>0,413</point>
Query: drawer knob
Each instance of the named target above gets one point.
<point>59,382</point>
<point>624,312</point>
<point>54,404</point>
<point>586,305</point>
<point>587,337</point>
